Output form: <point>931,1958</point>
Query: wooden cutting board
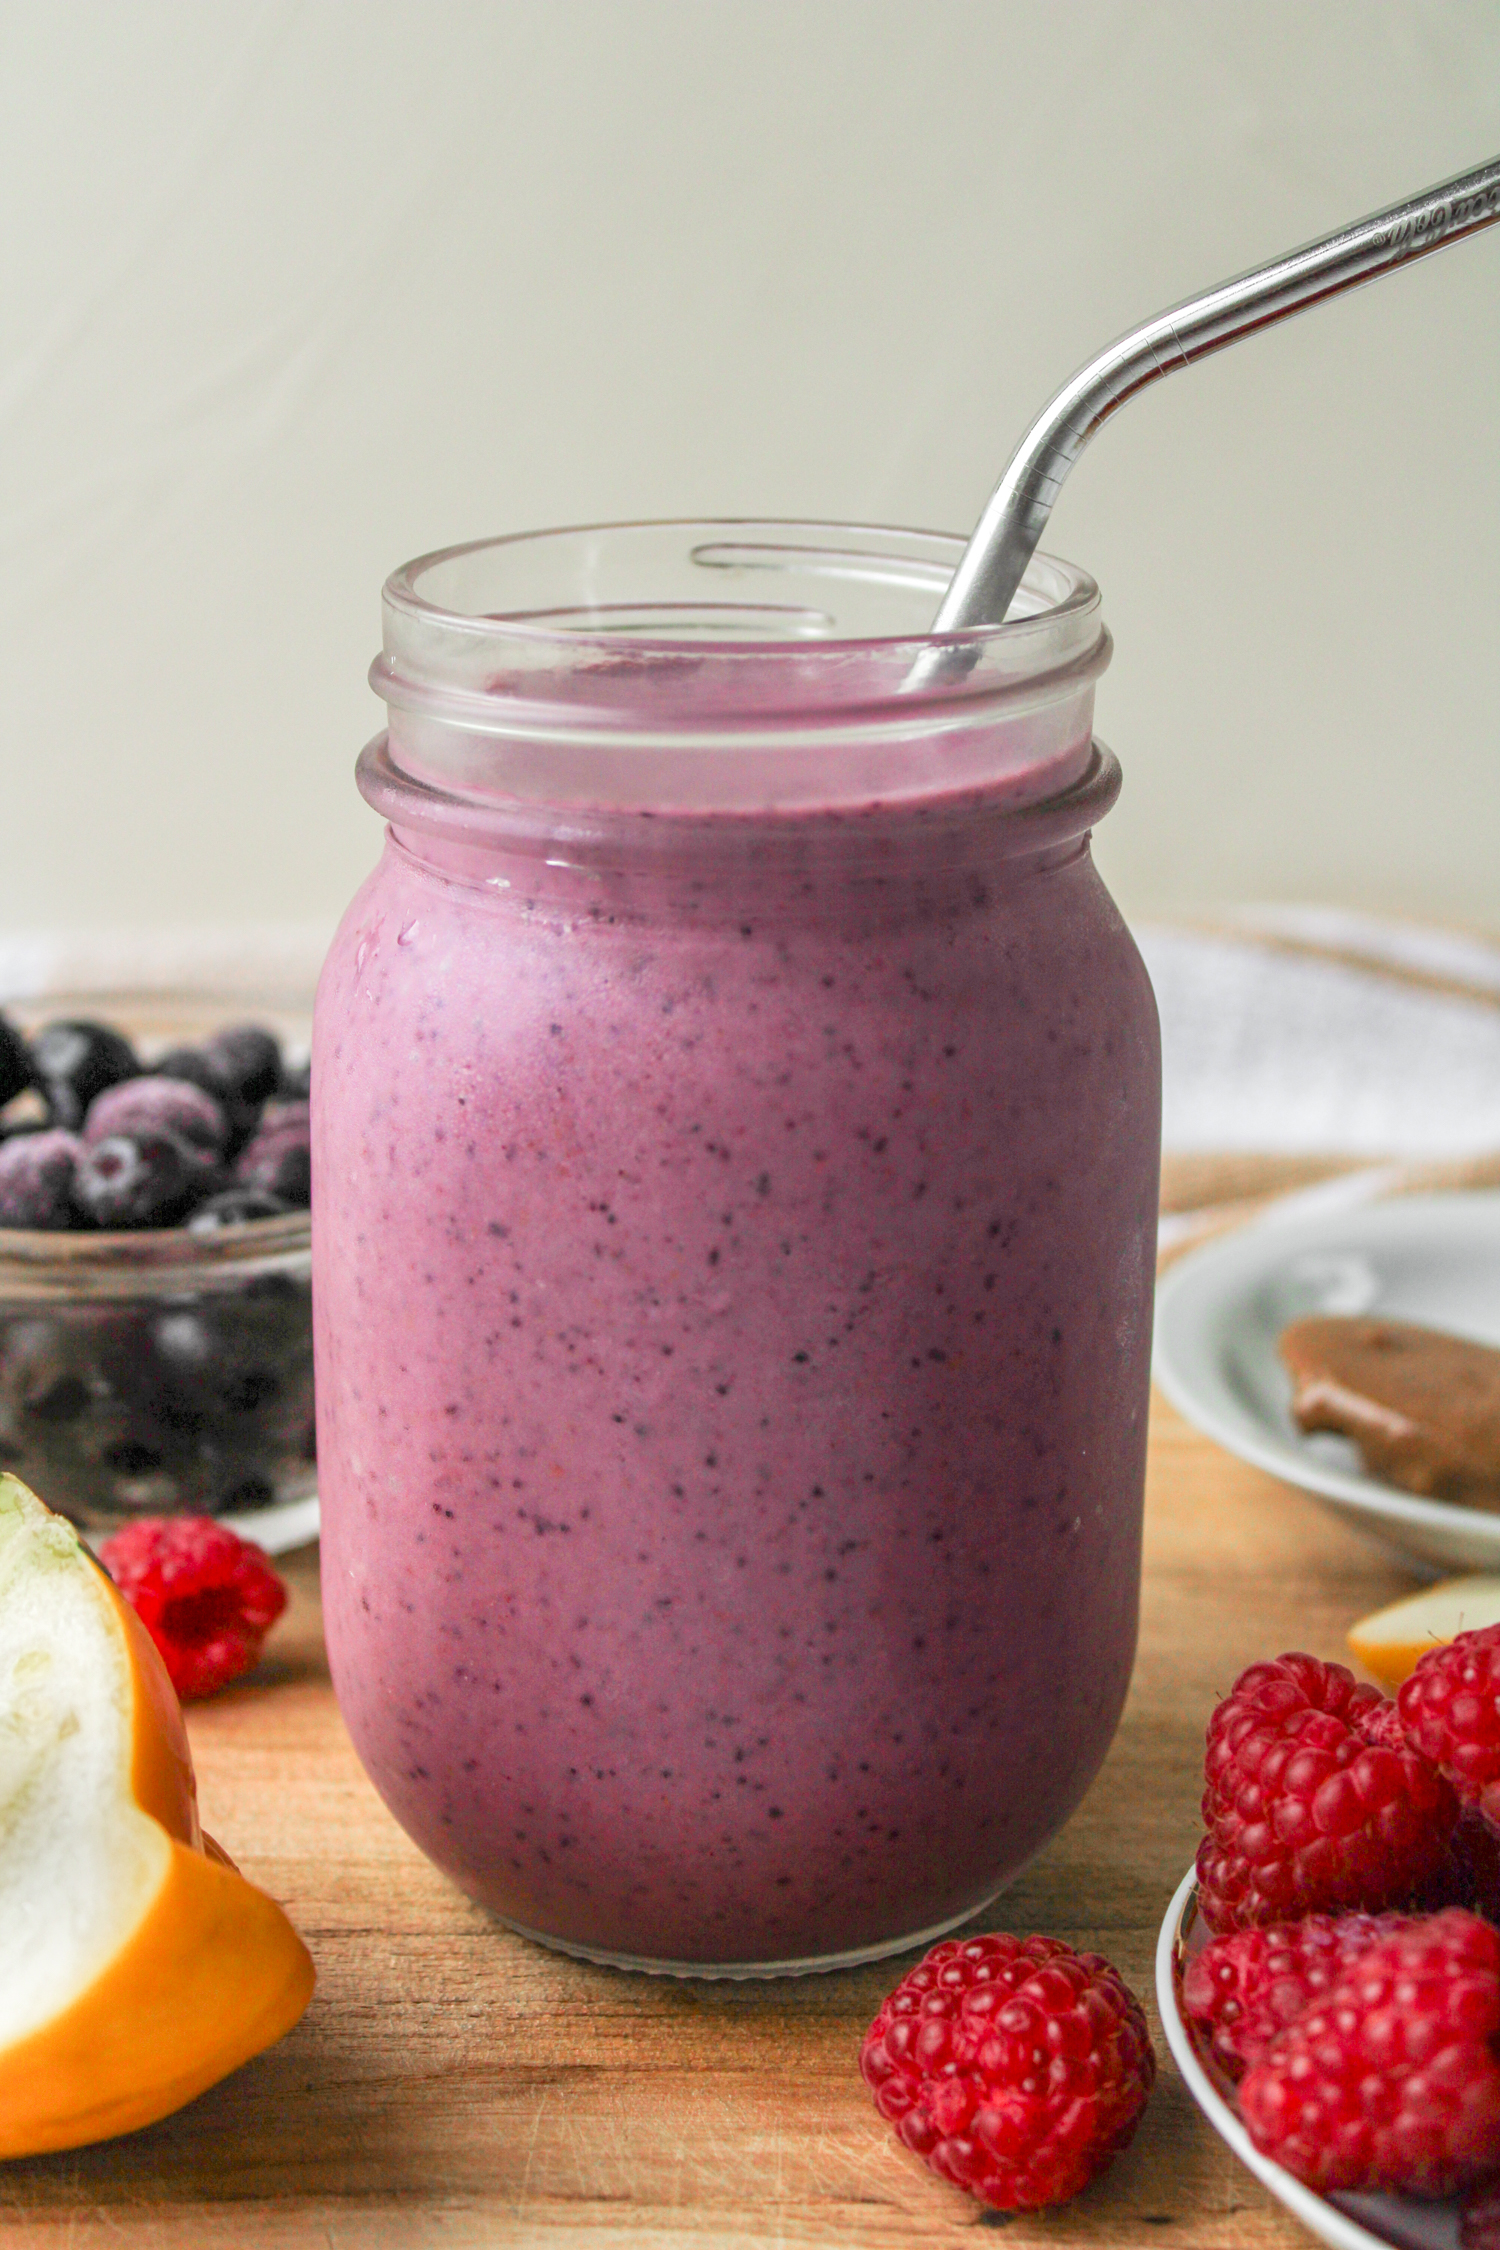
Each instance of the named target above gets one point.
<point>454,2087</point>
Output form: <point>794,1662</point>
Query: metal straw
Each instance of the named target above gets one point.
<point>1007,533</point>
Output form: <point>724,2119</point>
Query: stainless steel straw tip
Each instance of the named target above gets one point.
<point>1006,536</point>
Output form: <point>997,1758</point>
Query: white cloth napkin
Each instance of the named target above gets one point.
<point>1285,1030</point>
<point>1310,1031</point>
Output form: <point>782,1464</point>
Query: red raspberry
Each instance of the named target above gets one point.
<point>207,1598</point>
<point>1015,2066</point>
<point>1390,2080</point>
<point>1471,1875</point>
<point>1244,1988</point>
<point>1450,1708</point>
<point>1309,1807</point>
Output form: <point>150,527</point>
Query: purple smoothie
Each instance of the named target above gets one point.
<point>732,1285</point>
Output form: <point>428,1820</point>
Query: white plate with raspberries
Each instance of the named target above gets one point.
<point>1430,1259</point>
<point>1328,1974</point>
<point>1346,2222</point>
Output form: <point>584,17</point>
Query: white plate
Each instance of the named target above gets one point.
<point>1346,2222</point>
<point>293,1523</point>
<point>1430,1258</point>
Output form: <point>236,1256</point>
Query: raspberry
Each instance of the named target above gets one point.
<point>1309,1806</point>
<point>1470,1873</point>
<point>1389,2080</point>
<point>207,1598</point>
<point>1450,1708</point>
<point>1015,2066</point>
<point>1244,1988</point>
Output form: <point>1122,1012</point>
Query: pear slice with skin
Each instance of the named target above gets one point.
<point>1389,1641</point>
<point>137,1966</point>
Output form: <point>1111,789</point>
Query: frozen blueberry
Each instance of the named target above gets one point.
<point>236,1207</point>
<point>144,1179</point>
<point>189,1064</point>
<point>296,1081</point>
<point>228,1375</point>
<point>37,1176</point>
<point>37,1376</point>
<point>15,1062</point>
<point>194,1067</point>
<point>185,1340</point>
<point>247,1060</point>
<point>159,1105</point>
<point>243,1498</point>
<point>279,1158</point>
<point>281,1117</point>
<point>72,1062</point>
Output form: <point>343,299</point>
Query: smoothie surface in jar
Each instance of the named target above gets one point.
<point>735,1257</point>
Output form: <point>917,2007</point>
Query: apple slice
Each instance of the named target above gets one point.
<point>1389,1641</point>
<point>135,1969</point>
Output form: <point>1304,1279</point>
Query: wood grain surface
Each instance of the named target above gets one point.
<point>453,2087</point>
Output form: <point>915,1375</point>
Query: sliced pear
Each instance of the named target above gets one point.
<point>135,1969</point>
<point>1389,1641</point>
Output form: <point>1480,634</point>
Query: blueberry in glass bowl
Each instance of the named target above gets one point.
<point>155,1290</point>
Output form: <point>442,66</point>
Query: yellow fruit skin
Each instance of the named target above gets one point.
<point>213,1973</point>
<point>1390,1661</point>
<point>162,1780</point>
<point>1392,1641</point>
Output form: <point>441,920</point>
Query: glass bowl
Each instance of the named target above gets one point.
<point>162,1372</point>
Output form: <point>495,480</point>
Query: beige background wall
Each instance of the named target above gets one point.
<point>295,291</point>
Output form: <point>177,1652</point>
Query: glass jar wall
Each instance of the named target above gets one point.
<point>736,1113</point>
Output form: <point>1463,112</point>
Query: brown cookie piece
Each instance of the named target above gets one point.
<point>1422,1406</point>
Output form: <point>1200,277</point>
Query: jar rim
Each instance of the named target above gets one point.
<point>1052,591</point>
<point>537,668</point>
<point>58,1265</point>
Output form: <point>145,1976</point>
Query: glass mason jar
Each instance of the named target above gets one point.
<point>735,1142</point>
